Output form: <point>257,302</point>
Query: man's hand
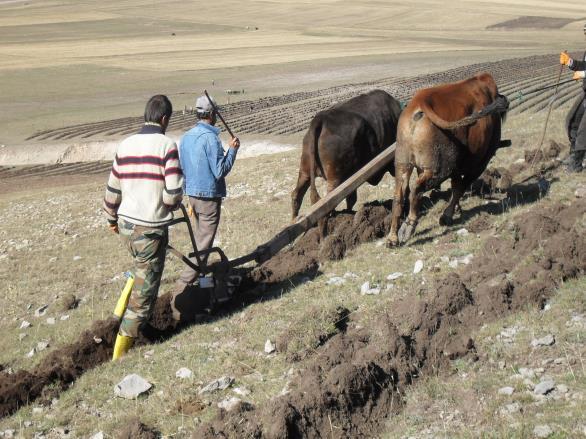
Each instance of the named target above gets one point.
<point>579,75</point>
<point>565,59</point>
<point>113,227</point>
<point>234,143</point>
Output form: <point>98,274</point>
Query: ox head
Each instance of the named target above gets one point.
<point>502,106</point>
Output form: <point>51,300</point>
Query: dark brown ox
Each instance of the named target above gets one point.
<point>344,138</point>
<point>450,131</point>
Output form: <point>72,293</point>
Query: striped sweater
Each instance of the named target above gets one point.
<point>146,182</point>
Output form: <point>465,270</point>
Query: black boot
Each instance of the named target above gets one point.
<point>575,161</point>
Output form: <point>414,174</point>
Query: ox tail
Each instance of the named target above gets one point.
<point>499,105</point>
<point>313,140</point>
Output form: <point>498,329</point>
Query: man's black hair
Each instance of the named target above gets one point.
<point>157,107</point>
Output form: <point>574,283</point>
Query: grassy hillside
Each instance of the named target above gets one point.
<point>54,244</point>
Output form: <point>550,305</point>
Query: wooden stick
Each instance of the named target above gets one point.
<point>219,115</point>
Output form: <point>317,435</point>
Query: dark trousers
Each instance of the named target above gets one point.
<point>577,127</point>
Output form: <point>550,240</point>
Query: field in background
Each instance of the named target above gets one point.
<point>65,62</point>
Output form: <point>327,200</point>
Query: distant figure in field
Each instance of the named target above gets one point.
<point>576,121</point>
<point>145,186</point>
<point>205,165</point>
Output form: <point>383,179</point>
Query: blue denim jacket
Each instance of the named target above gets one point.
<point>203,161</point>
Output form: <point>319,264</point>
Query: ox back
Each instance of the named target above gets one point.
<point>344,138</point>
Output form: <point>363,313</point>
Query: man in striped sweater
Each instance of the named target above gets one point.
<point>145,186</point>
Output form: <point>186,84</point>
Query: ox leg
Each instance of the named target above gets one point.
<point>402,176</point>
<point>408,227</point>
<point>322,224</point>
<point>298,194</point>
<point>351,201</point>
<point>458,188</point>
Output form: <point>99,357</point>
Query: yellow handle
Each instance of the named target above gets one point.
<point>123,300</point>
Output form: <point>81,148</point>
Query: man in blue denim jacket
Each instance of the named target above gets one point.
<point>204,166</point>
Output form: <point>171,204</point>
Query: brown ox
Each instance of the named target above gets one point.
<point>449,131</point>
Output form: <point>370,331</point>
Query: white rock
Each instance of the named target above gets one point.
<point>37,410</point>
<point>98,435</point>
<point>21,336</point>
<point>350,275</point>
<point>41,311</point>
<point>580,192</point>
<point>542,431</point>
<point>544,387</point>
<point>64,317</point>
<point>51,321</point>
<point>510,409</point>
<point>25,324</point>
<point>506,391</point>
<point>466,259</point>
<point>242,391</point>
<point>562,388</point>
<point>395,275</point>
<point>418,266</point>
<point>184,372</point>
<point>462,232</point>
<point>229,403</point>
<point>527,373</point>
<point>132,386</point>
<point>548,340</point>
<point>9,433</point>
<point>77,258</point>
<point>270,347</point>
<point>30,353</point>
<point>453,263</point>
<point>219,384</point>
<point>509,332</point>
<point>336,280</point>
<point>42,345</point>
<point>27,424</point>
<point>364,287</point>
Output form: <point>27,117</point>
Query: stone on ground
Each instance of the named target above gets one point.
<point>506,391</point>
<point>548,340</point>
<point>219,384</point>
<point>542,431</point>
<point>184,372</point>
<point>544,387</point>
<point>132,386</point>
<point>270,347</point>
<point>229,403</point>
<point>418,266</point>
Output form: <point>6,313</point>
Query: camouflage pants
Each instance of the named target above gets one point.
<point>147,245</point>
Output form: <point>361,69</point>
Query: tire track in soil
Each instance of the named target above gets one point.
<point>366,385</point>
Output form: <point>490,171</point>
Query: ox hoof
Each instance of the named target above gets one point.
<point>446,220</point>
<point>406,230</point>
<point>391,244</point>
